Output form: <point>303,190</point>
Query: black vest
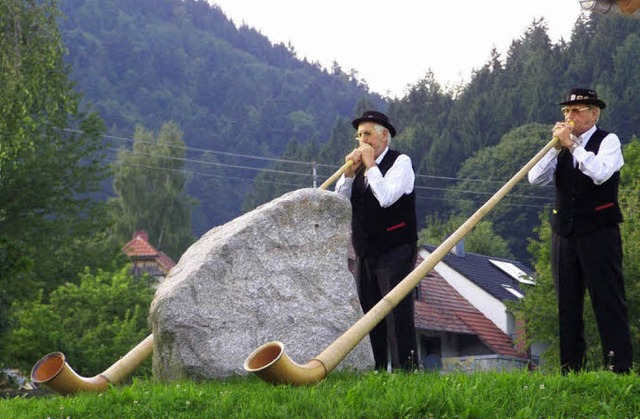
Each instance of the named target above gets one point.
<point>582,206</point>
<point>375,229</point>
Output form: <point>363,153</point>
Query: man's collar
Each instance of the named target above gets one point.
<point>381,156</point>
<point>585,137</point>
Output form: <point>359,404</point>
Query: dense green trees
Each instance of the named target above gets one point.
<point>481,239</point>
<point>50,161</point>
<point>149,181</point>
<point>515,217</point>
<point>306,164</point>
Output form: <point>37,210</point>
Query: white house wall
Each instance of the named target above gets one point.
<point>490,307</point>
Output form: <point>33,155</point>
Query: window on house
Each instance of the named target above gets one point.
<point>512,291</point>
<point>513,271</point>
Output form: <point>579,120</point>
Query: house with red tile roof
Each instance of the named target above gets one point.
<point>462,322</point>
<point>461,316</point>
<point>145,258</point>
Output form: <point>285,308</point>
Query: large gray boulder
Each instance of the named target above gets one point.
<point>279,272</point>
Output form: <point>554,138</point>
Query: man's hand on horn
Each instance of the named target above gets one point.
<point>562,131</point>
<point>356,157</point>
<point>368,155</point>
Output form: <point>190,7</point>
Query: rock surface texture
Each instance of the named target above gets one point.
<point>277,273</point>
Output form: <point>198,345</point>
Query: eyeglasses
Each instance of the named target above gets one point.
<point>566,110</point>
<point>361,134</point>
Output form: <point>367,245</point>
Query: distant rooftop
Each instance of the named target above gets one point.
<point>499,277</point>
<point>145,257</point>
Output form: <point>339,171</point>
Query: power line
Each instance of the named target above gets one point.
<point>280,160</point>
<point>213,175</point>
<point>504,202</point>
<point>481,192</point>
<point>234,166</point>
<point>207,163</point>
<point>208,151</point>
<point>302,185</point>
<point>305,175</point>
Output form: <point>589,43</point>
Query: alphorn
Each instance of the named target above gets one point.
<point>270,362</point>
<point>54,372</point>
<point>336,175</point>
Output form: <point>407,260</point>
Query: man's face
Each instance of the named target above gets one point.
<point>367,134</point>
<point>582,115</point>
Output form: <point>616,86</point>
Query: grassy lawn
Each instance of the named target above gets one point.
<point>350,395</point>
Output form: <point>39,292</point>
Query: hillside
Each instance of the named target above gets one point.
<point>246,104</point>
<point>229,89</point>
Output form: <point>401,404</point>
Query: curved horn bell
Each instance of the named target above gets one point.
<point>53,371</point>
<point>271,363</point>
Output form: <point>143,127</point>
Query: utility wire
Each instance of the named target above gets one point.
<point>280,160</point>
<point>208,151</point>
<point>290,173</point>
<point>308,175</point>
<point>208,163</point>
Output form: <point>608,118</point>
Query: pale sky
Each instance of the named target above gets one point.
<point>392,44</point>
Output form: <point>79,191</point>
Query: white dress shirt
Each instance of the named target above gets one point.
<point>399,180</point>
<point>599,167</point>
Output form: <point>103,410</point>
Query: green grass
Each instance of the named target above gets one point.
<point>349,395</point>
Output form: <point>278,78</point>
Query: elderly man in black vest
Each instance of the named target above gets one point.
<point>380,185</point>
<point>586,248</point>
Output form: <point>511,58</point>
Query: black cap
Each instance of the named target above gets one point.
<point>378,118</point>
<point>587,96</point>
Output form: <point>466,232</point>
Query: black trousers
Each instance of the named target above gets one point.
<point>592,262</point>
<point>396,335</point>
